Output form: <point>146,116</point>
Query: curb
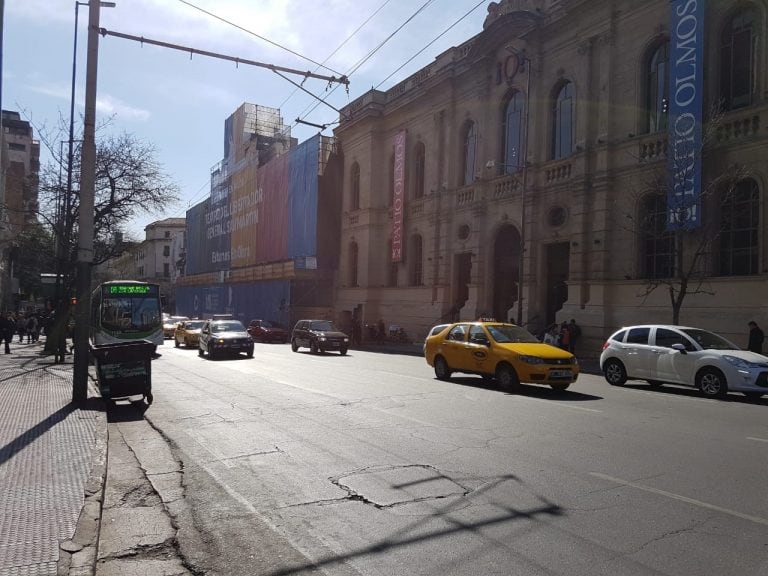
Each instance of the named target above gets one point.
<point>78,555</point>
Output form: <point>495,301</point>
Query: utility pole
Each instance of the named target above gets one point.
<point>87,193</point>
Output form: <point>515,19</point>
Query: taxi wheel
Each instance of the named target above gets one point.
<point>507,378</point>
<point>442,370</point>
<point>559,387</point>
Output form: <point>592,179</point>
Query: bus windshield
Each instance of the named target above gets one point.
<point>127,314</point>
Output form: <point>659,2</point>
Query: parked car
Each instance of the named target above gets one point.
<point>266,331</point>
<point>170,323</point>
<point>188,333</point>
<point>506,352</point>
<point>661,354</point>
<point>220,337</point>
<point>319,336</point>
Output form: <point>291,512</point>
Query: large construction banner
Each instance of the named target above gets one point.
<point>686,91</point>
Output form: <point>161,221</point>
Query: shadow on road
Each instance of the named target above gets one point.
<point>688,392</point>
<point>529,390</point>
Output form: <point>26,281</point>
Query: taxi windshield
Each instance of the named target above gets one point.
<point>506,333</point>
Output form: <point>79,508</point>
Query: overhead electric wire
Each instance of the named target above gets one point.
<point>340,46</point>
<point>435,39</point>
<point>212,15</point>
<point>370,54</point>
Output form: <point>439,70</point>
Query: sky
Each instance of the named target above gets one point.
<point>179,103</point>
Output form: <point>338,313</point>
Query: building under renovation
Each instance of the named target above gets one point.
<point>265,243</point>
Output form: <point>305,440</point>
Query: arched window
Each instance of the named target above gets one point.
<point>416,259</point>
<point>512,133</point>
<point>656,243</point>
<point>657,89</point>
<point>419,169</point>
<point>353,269</point>
<point>562,122</point>
<point>354,198</point>
<point>737,60</point>
<point>739,225</point>
<point>469,151</point>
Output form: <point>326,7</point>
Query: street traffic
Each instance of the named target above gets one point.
<point>368,464</point>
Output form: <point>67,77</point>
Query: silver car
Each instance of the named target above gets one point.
<point>683,355</point>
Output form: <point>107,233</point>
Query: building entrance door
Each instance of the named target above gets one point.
<point>558,264</point>
<point>506,273</point>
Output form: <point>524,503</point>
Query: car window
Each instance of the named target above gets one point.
<point>322,326</point>
<point>437,329</point>
<point>638,335</point>
<point>193,325</point>
<point>506,333</point>
<point>666,337</point>
<point>457,333</point>
<point>477,332</point>
<point>230,326</point>
<point>709,340</point>
<point>619,336</point>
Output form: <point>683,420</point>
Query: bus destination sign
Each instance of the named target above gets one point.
<point>132,290</point>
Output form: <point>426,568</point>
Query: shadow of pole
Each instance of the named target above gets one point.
<point>28,436</point>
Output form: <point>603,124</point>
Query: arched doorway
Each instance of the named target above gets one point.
<point>506,272</point>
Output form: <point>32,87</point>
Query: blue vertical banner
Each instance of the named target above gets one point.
<point>686,90</point>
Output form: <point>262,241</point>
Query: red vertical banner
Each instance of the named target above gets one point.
<point>398,198</point>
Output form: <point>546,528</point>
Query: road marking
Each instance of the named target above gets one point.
<point>699,503</point>
<point>757,439</point>
<point>561,404</point>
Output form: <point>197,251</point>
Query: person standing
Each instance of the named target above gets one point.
<point>564,339</point>
<point>7,330</point>
<point>574,334</point>
<point>756,338</point>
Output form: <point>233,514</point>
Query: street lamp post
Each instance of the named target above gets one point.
<point>525,62</point>
<point>87,193</point>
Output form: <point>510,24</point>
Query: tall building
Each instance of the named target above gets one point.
<point>544,169</point>
<point>20,163</point>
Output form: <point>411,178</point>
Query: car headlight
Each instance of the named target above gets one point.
<point>322,338</point>
<point>741,363</point>
<point>574,360</point>
<point>220,340</point>
<point>532,359</point>
<point>346,340</point>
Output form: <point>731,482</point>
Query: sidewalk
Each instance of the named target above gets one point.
<point>52,467</point>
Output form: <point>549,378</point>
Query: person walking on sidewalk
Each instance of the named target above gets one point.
<point>756,338</point>
<point>21,325</point>
<point>31,328</point>
<point>7,330</point>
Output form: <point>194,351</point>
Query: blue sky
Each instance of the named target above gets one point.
<point>179,103</point>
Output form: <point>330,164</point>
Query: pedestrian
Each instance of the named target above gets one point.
<point>382,334</point>
<point>574,334</point>
<point>564,339</point>
<point>756,338</point>
<point>21,327</point>
<point>31,328</point>
<point>7,330</point>
<point>550,335</point>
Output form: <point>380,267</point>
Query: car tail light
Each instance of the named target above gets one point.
<point>606,344</point>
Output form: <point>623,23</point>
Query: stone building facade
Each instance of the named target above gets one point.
<point>550,125</point>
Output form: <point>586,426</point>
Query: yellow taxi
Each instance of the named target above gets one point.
<point>506,352</point>
<point>188,333</point>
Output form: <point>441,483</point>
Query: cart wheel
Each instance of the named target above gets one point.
<point>149,399</point>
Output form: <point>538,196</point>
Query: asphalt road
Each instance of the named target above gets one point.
<point>366,464</point>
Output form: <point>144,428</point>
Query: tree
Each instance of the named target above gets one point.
<point>678,259</point>
<point>129,182</point>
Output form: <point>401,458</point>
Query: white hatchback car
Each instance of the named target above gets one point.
<point>683,355</point>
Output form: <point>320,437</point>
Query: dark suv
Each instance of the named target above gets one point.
<point>318,336</point>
